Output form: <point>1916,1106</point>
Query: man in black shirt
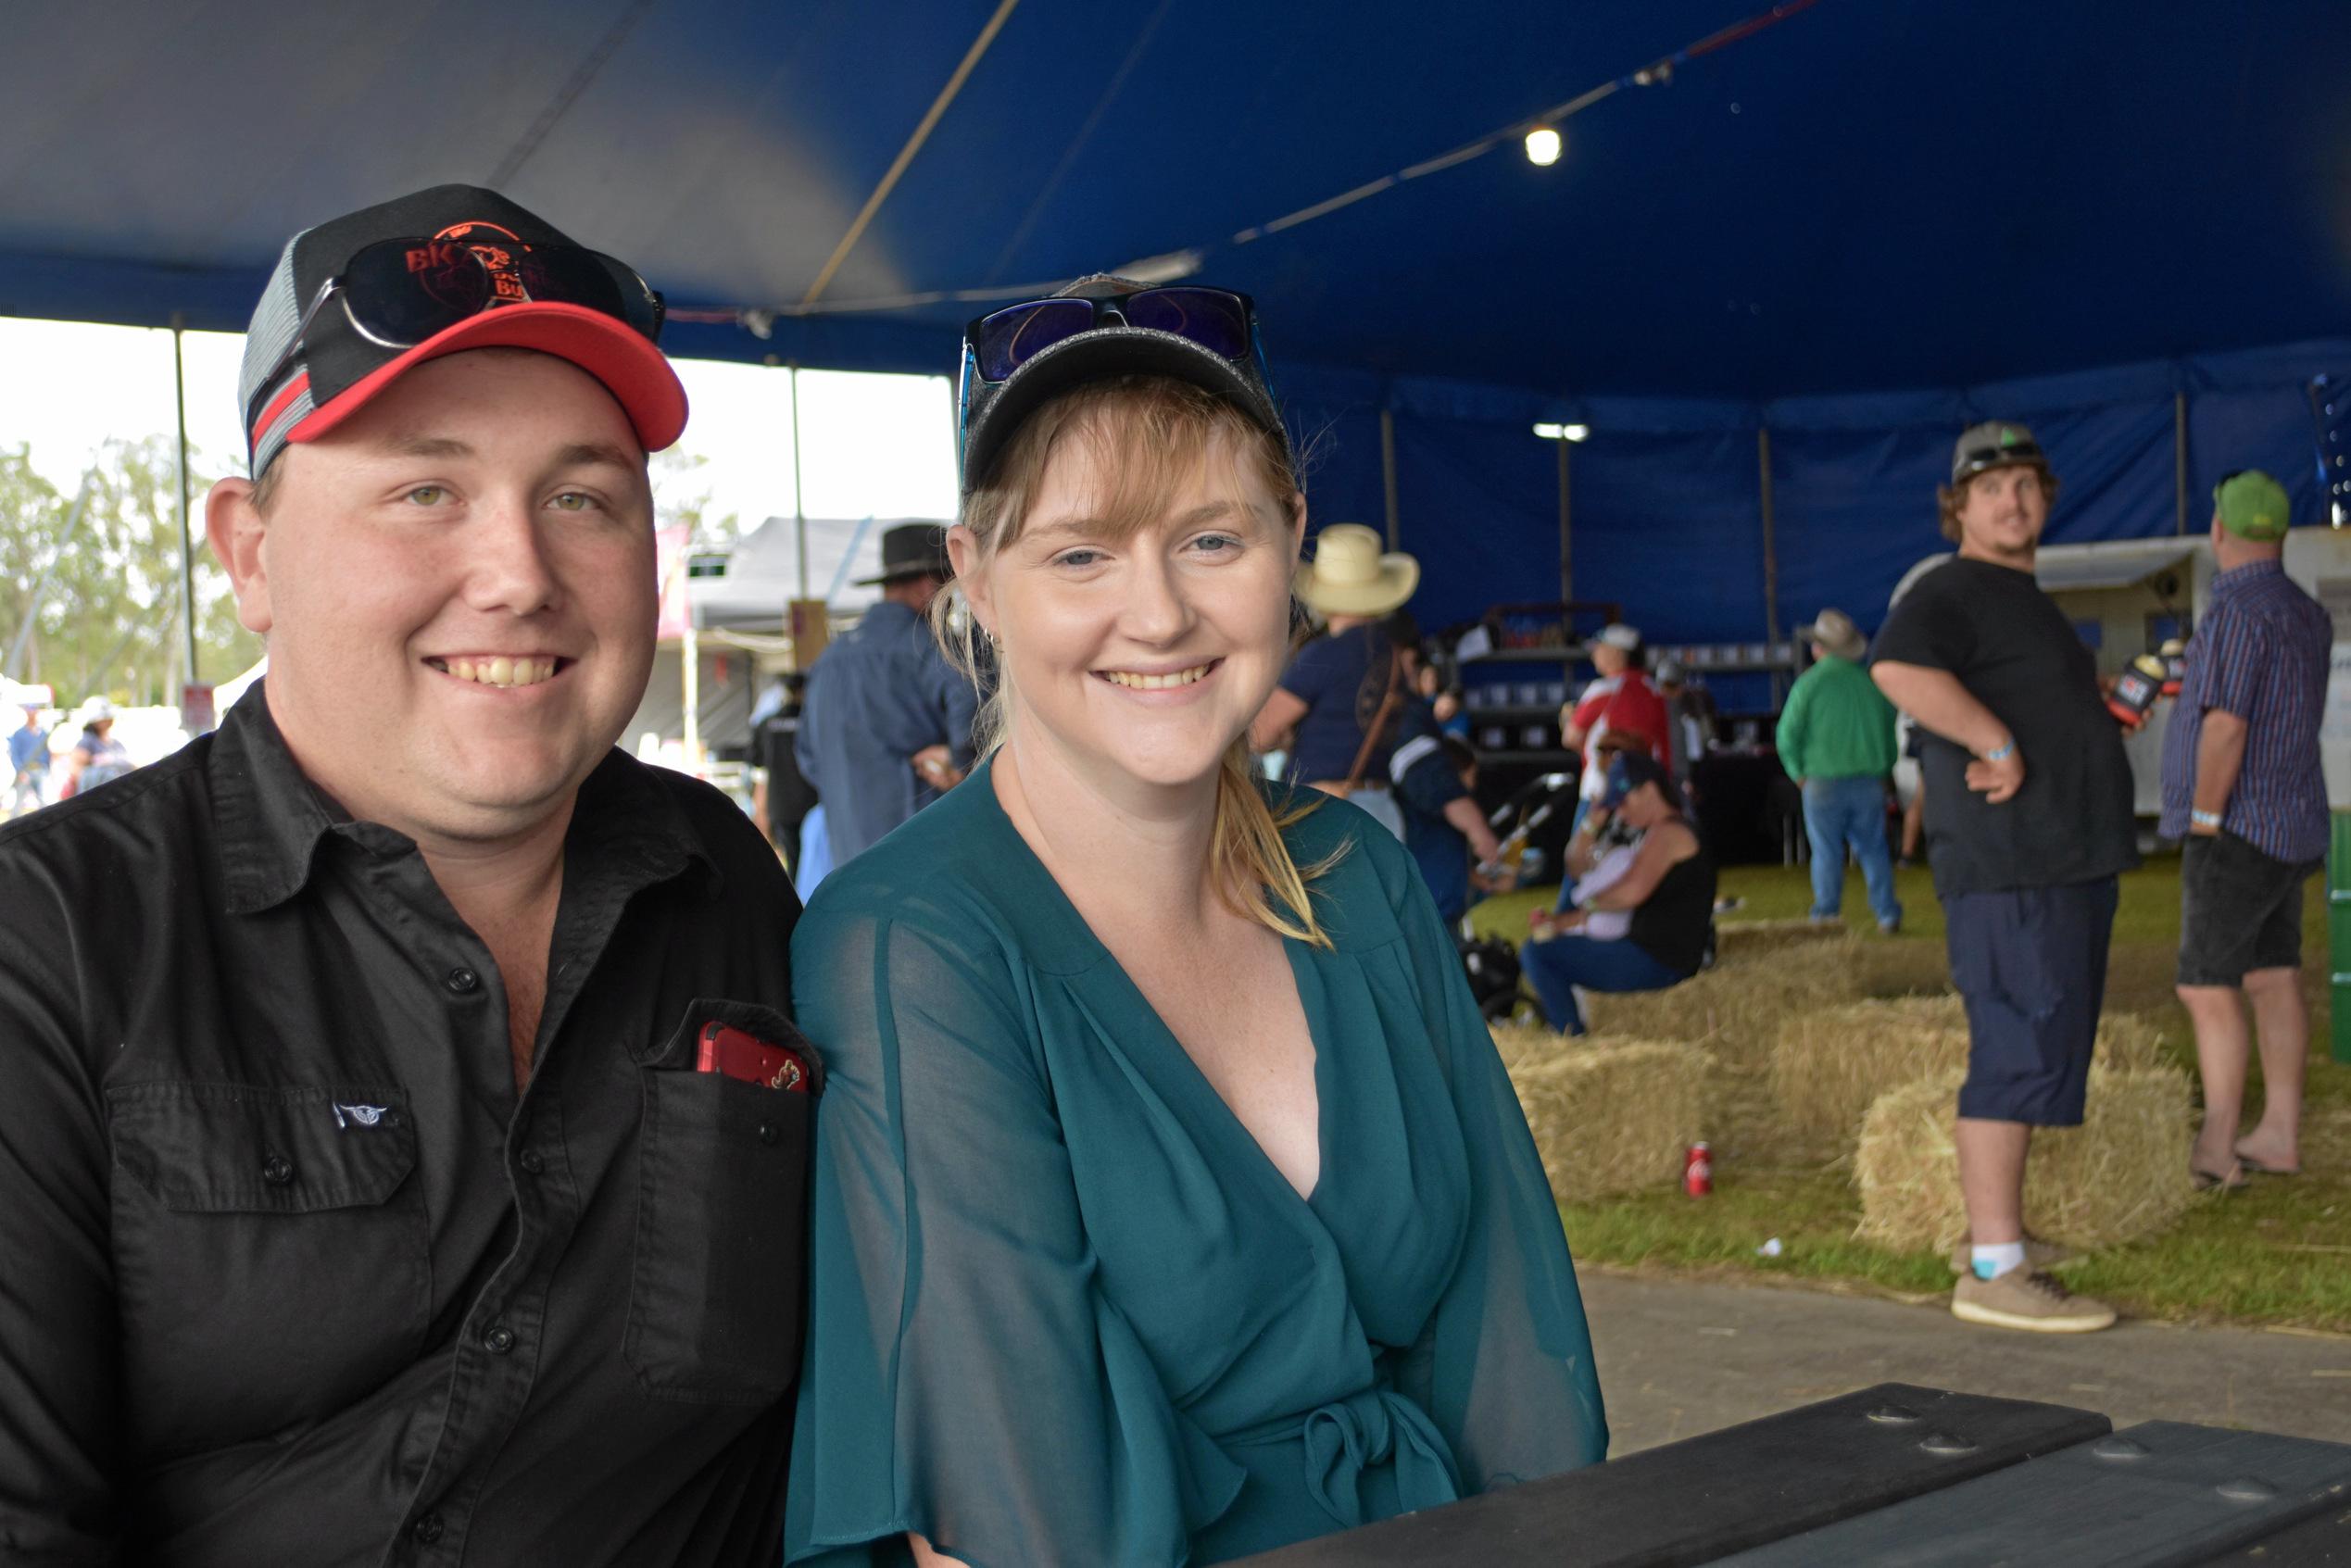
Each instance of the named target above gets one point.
<point>364,1203</point>
<point>2032,822</point>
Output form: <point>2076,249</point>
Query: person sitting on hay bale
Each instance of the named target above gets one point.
<point>1664,897</point>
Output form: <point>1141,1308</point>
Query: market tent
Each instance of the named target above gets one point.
<point>1854,227</point>
<point>760,571</point>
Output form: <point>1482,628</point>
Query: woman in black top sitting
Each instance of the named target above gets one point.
<point>1639,923</point>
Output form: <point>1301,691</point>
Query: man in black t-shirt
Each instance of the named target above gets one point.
<point>2032,822</point>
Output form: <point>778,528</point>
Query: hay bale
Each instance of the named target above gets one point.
<point>1719,1005</point>
<point>1741,938</point>
<point>1735,1008</point>
<point>1524,1045</point>
<point>2131,1041</point>
<point>1829,1066</point>
<point>1612,1118</point>
<point>2121,1175</point>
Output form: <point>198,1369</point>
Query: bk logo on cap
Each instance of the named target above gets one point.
<point>441,270</point>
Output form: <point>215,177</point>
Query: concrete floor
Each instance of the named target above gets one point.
<point>1678,1356</point>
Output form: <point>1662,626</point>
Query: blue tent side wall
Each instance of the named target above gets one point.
<point>1667,494</point>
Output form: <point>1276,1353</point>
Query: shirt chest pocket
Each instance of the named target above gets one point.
<point>270,1253</point>
<point>716,1287</point>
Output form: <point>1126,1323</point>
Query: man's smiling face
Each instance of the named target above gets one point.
<point>457,589</point>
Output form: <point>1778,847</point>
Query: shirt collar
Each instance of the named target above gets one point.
<point>2247,572</point>
<point>269,817</point>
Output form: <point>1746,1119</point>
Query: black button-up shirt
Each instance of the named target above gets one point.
<point>289,1272</point>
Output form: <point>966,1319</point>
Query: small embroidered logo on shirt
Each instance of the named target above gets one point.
<point>365,1116</point>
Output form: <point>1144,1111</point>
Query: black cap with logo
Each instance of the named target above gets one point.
<point>358,301</point>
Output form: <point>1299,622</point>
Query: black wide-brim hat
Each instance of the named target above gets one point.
<point>994,411</point>
<point>911,550</point>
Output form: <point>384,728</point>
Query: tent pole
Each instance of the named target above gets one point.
<point>1567,541</point>
<point>1770,552</point>
<point>1388,476</point>
<point>690,695</point>
<point>2179,458</point>
<point>799,508</point>
<point>187,551</point>
<point>906,153</point>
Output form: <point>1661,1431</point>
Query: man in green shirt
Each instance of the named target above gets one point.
<point>1837,741</point>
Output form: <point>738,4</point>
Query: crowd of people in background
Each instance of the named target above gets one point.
<point>1979,697</point>
<point>96,756</point>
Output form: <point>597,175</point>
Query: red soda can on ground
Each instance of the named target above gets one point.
<point>1698,1171</point>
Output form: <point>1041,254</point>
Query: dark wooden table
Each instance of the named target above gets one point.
<point>1899,1475</point>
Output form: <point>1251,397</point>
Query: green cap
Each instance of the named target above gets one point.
<point>2253,506</point>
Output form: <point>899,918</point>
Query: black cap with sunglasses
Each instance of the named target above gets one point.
<point>1995,444</point>
<point>1018,359</point>
<point>359,300</point>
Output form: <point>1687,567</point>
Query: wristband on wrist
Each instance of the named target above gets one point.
<point>2204,819</point>
<point>2002,752</point>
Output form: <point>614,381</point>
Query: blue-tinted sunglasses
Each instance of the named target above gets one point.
<point>1220,323</point>
<point>1219,320</point>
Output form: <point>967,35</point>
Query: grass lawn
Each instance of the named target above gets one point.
<point>2277,1253</point>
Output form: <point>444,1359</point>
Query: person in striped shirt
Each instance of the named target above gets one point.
<point>2241,786</point>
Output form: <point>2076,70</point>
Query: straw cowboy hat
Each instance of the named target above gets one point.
<point>1349,575</point>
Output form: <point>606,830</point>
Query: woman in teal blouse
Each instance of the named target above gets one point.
<point>1171,1202</point>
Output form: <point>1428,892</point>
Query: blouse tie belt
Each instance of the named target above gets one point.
<point>1349,1437</point>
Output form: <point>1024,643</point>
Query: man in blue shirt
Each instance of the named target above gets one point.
<point>1436,782</point>
<point>28,761</point>
<point>887,723</point>
<point>2242,781</point>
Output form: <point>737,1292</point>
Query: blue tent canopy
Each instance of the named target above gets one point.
<point>1859,226</point>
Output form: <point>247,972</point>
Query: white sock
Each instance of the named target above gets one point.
<point>1991,1262</point>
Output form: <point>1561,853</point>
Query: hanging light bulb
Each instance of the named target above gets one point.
<point>1543,146</point>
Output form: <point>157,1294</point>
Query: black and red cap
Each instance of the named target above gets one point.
<point>497,275</point>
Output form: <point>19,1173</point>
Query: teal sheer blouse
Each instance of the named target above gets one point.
<point>1064,1309</point>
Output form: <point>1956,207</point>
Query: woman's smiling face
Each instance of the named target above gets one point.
<point>1139,647</point>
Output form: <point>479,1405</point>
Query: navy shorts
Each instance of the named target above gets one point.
<point>2031,964</point>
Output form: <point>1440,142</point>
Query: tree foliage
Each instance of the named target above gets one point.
<point>681,494</point>
<point>109,623</point>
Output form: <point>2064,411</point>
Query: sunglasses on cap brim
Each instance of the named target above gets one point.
<point>1979,459</point>
<point>1218,319</point>
<point>397,294</point>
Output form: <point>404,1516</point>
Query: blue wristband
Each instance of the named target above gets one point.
<point>2005,750</point>
<point>2204,819</point>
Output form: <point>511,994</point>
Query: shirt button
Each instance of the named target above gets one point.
<point>461,980</point>
<point>499,1340</point>
<point>767,1132</point>
<point>427,1529</point>
<point>277,1170</point>
<point>532,1162</point>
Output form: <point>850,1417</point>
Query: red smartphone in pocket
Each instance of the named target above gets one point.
<point>721,1047</point>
